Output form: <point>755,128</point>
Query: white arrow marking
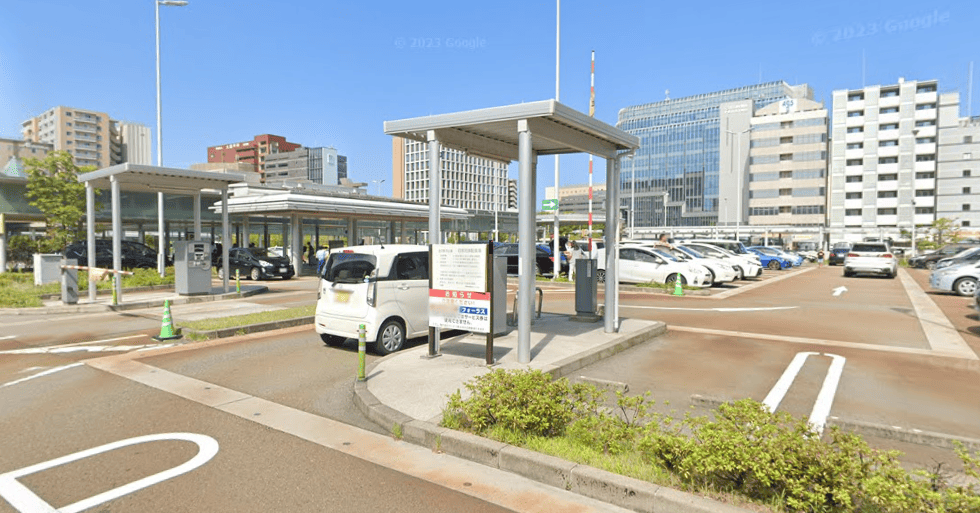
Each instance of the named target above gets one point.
<point>839,290</point>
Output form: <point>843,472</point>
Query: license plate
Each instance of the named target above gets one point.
<point>282,269</point>
<point>341,296</point>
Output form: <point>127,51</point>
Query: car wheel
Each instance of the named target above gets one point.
<point>600,275</point>
<point>286,277</point>
<point>255,274</point>
<point>672,280</point>
<point>221,273</point>
<point>965,286</point>
<point>774,265</point>
<point>711,277</point>
<point>739,273</point>
<point>848,274</point>
<point>391,337</point>
<point>931,265</point>
<point>332,340</point>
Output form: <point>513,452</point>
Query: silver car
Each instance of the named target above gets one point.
<point>870,257</point>
<point>961,279</point>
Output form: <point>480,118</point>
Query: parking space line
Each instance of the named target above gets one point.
<point>40,374</point>
<point>825,398</point>
<point>942,336</point>
<point>720,309</point>
<point>782,385</point>
<point>818,342</point>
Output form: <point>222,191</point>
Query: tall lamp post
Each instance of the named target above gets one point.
<point>161,250</point>
<point>666,195</point>
<point>738,175</point>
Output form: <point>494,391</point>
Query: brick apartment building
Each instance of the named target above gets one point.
<point>251,152</point>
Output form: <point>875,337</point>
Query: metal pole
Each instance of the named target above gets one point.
<point>116,236</point>
<point>632,195</point>
<point>556,268</point>
<point>611,235</point>
<point>526,248</point>
<point>435,219</point>
<point>90,234</point>
<point>225,238</point>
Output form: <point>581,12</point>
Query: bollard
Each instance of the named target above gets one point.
<point>238,283</point>
<point>361,349</point>
<point>114,301</point>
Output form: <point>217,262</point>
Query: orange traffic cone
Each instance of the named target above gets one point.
<point>167,328</point>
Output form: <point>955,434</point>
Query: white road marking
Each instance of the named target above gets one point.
<point>82,349</point>
<point>39,374</point>
<point>24,500</point>
<point>747,309</point>
<point>57,349</point>
<point>825,398</point>
<point>840,290</point>
<point>8,337</point>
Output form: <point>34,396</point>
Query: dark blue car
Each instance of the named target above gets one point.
<point>838,253</point>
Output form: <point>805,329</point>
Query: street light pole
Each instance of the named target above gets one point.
<point>738,176</point>
<point>161,250</point>
<point>666,195</point>
<point>632,194</point>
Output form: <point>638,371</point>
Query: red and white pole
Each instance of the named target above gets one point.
<point>591,114</point>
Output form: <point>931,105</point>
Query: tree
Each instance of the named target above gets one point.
<point>54,189</point>
<point>945,230</point>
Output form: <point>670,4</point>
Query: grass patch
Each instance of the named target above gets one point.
<point>244,320</point>
<point>17,290</point>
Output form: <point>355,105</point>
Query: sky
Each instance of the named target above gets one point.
<point>324,73</point>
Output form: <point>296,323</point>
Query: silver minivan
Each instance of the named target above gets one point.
<point>383,287</point>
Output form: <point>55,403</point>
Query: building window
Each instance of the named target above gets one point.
<point>889,110</point>
<point>785,192</point>
<point>853,195</point>
<point>888,93</point>
<point>855,113</point>
<point>926,122</point>
<point>922,175</point>
<point>887,194</point>
<point>892,142</point>
<point>925,158</point>
<point>966,190</point>
<point>965,223</point>
<point>854,162</point>
<point>855,130</point>
<point>925,140</point>
<point>967,156</point>
<point>966,207</point>
<point>925,106</point>
<point>853,179</point>
<point>929,88</point>
<point>786,174</point>
<point>967,139</point>
<point>887,211</point>
<point>924,210</point>
<point>888,160</point>
<point>855,146</point>
<point>852,212</point>
<point>891,177</point>
<point>785,210</point>
<point>966,173</point>
<point>925,193</point>
<point>889,126</point>
<point>855,97</point>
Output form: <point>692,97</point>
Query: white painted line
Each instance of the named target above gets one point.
<point>82,349</point>
<point>747,309</point>
<point>24,500</point>
<point>816,342</point>
<point>942,336</point>
<point>8,337</point>
<point>825,399</point>
<point>782,385</point>
<point>40,374</point>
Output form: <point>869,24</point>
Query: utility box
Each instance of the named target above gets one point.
<point>47,268</point>
<point>192,267</point>
<point>586,287</point>
<point>69,283</point>
<point>499,296</point>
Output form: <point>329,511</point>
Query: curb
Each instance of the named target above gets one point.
<point>251,328</point>
<point>897,433</point>
<point>584,480</point>
<point>96,308</point>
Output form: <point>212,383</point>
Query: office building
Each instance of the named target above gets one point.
<point>574,199</point>
<point>958,173</point>
<point>252,152</point>
<point>137,145</point>
<point>788,160</point>
<point>883,157</point>
<point>512,194</point>
<point>91,137</point>
<point>469,182</point>
<point>683,154</point>
<point>13,153</point>
<point>317,165</point>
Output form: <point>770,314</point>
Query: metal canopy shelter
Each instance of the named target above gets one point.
<point>292,204</point>
<point>138,178</point>
<point>522,132</point>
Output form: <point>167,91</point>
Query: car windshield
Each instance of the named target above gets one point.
<point>349,267</point>
<point>766,250</point>
<point>663,254</point>
<point>690,251</point>
<point>869,248</point>
<point>966,253</point>
<point>842,245</point>
<point>260,252</point>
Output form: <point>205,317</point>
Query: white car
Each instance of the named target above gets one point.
<point>870,257</point>
<point>643,265</point>
<point>385,288</point>
<point>731,245</point>
<point>721,271</point>
<point>744,267</point>
<point>961,279</point>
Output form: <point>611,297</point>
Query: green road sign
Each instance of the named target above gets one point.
<point>551,204</point>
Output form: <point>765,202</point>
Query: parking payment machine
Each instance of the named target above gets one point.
<point>192,267</point>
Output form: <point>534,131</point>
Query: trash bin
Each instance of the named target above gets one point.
<point>586,287</point>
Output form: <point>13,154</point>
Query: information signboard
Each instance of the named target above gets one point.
<point>459,297</point>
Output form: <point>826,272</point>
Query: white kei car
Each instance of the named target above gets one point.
<point>744,267</point>
<point>639,264</point>
<point>721,271</point>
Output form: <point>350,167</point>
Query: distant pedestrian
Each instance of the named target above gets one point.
<point>309,253</point>
<point>574,253</point>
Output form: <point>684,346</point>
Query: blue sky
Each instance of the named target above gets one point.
<point>326,73</point>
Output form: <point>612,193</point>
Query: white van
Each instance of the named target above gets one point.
<point>383,287</point>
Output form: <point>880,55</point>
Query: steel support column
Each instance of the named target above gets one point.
<point>90,234</point>
<point>116,236</point>
<point>435,190</point>
<point>225,237</point>
<point>296,243</point>
<point>526,248</point>
<point>197,217</point>
<point>161,239</point>
<point>611,234</point>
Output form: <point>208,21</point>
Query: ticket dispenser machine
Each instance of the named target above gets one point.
<point>192,267</point>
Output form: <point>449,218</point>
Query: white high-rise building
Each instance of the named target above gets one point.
<point>137,147</point>
<point>958,191</point>
<point>469,182</point>
<point>884,153</point>
<point>91,137</point>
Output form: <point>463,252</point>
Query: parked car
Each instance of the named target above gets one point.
<point>770,258</point>
<point>256,264</point>
<point>543,262</point>
<point>744,266</point>
<point>966,256</point>
<point>720,271</point>
<point>929,260</point>
<point>639,264</point>
<point>961,279</point>
<point>870,257</point>
<point>838,253</point>
<point>383,287</point>
<point>730,245</point>
<point>134,254</point>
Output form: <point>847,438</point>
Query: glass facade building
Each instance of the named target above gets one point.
<point>679,154</point>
